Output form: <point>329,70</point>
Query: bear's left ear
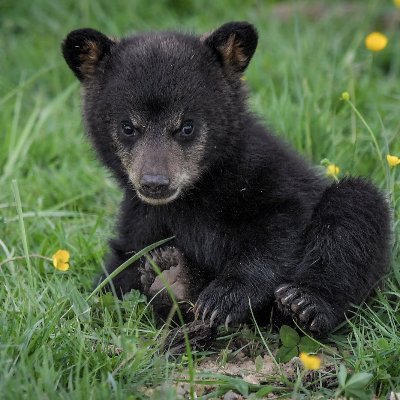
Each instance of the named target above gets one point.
<point>234,43</point>
<point>83,49</point>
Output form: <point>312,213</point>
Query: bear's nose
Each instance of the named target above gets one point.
<point>154,183</point>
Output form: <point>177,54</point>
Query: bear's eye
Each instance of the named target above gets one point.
<point>187,129</point>
<point>127,128</point>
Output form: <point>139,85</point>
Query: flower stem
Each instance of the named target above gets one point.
<point>378,151</point>
<point>23,257</point>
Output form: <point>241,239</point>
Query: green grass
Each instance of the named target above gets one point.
<point>55,341</point>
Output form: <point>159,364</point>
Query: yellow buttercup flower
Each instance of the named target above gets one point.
<point>332,170</point>
<point>396,3</point>
<point>61,260</point>
<point>310,361</point>
<point>376,41</point>
<point>393,160</point>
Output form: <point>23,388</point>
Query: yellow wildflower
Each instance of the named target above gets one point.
<point>396,3</point>
<point>393,160</point>
<point>376,41</point>
<point>310,361</point>
<point>332,170</point>
<point>60,260</point>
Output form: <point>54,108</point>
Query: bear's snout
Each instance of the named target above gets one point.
<point>154,185</point>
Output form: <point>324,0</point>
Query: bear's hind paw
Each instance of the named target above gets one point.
<point>171,262</point>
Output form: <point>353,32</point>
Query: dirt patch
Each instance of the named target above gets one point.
<point>241,367</point>
<point>259,371</point>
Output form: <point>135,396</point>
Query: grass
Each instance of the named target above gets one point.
<point>58,342</point>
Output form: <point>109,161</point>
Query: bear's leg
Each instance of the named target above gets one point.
<point>347,247</point>
<point>124,282</point>
<point>248,279</point>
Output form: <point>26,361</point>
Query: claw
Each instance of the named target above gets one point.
<point>227,321</point>
<point>196,309</point>
<point>281,289</point>
<point>305,314</point>
<point>296,306</point>
<point>147,266</point>
<point>313,326</point>
<point>154,254</point>
<point>203,317</point>
<point>289,297</point>
<point>213,316</point>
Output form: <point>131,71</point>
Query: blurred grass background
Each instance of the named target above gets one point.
<point>309,53</point>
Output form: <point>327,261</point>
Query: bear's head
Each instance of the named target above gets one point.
<point>163,108</point>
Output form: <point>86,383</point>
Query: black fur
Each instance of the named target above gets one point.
<point>76,47</point>
<point>243,37</point>
<point>256,224</point>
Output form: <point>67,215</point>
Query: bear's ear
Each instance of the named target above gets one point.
<point>83,49</point>
<point>234,43</point>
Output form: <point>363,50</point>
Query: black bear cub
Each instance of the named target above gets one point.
<point>252,222</point>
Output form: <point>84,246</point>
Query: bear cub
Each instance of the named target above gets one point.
<point>253,224</point>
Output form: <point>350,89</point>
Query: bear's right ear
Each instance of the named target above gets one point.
<point>83,49</point>
<point>234,43</point>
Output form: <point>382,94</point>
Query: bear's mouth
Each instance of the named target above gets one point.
<point>157,199</point>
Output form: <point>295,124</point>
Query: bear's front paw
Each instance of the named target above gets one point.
<point>171,263</point>
<point>223,302</point>
<point>309,310</point>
